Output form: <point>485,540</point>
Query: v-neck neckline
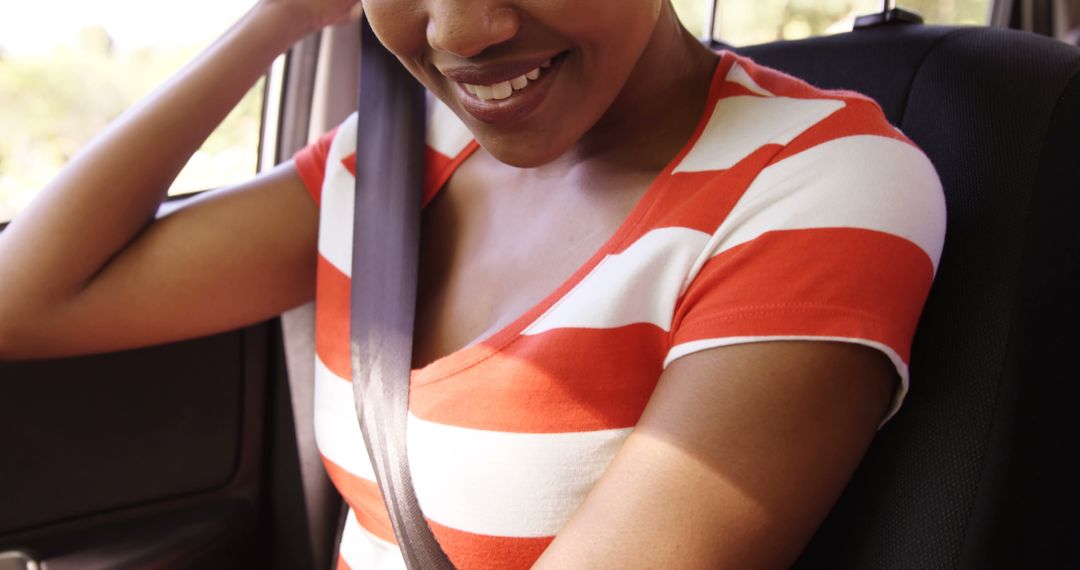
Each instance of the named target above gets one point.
<point>489,344</point>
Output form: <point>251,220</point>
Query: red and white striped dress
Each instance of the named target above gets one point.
<point>792,213</point>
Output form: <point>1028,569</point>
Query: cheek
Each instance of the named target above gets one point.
<point>605,22</point>
<point>610,36</point>
<point>399,25</point>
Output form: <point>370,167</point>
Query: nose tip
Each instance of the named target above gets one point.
<point>466,31</point>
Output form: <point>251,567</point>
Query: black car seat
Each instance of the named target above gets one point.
<point>981,469</point>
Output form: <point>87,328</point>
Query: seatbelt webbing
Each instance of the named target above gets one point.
<point>385,252</point>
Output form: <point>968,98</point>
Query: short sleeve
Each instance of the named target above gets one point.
<point>311,160</point>
<point>838,242</point>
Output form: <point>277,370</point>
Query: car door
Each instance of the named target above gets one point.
<point>177,456</point>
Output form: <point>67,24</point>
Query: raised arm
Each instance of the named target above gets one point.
<point>86,267</point>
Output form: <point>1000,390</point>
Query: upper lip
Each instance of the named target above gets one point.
<point>494,72</point>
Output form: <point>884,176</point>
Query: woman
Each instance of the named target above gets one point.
<point>666,295</point>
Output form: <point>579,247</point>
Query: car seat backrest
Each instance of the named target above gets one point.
<point>981,467</point>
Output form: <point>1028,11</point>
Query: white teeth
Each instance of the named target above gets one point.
<point>502,90</point>
<point>484,92</point>
<point>505,89</point>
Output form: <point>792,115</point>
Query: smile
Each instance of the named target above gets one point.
<point>507,92</point>
<point>506,89</point>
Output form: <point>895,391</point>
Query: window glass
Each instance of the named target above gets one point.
<point>693,14</point>
<point>1069,24</point>
<point>746,22</point>
<point>68,67</point>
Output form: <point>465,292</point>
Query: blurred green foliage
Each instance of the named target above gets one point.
<point>745,22</point>
<point>53,103</point>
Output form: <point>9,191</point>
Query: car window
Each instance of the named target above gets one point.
<point>747,22</point>
<point>63,82</point>
<point>1069,25</point>
<point>68,67</point>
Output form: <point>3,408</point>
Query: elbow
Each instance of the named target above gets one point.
<point>8,340</point>
<point>15,347</point>
<point>32,334</point>
<point>14,337</point>
<point>7,350</point>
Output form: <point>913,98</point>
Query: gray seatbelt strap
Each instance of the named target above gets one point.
<point>385,252</point>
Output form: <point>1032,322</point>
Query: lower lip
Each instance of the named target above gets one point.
<point>514,108</point>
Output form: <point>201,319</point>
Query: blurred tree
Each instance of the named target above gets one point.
<point>692,14</point>
<point>52,104</point>
<point>96,39</point>
<point>745,22</point>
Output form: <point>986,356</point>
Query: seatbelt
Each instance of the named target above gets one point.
<point>386,246</point>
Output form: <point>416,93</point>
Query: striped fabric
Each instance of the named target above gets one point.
<point>792,213</point>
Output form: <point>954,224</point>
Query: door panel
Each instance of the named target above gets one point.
<point>150,454</point>
<point>214,536</point>
<point>175,456</point>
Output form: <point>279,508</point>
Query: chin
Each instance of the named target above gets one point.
<point>522,152</point>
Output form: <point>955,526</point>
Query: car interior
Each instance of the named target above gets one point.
<point>201,454</point>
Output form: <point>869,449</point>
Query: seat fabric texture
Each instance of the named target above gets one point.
<point>980,468</point>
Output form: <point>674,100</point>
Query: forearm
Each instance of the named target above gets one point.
<point>103,198</point>
<point>735,461</point>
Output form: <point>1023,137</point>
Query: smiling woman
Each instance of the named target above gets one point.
<point>652,227</point>
<point>666,294</point>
